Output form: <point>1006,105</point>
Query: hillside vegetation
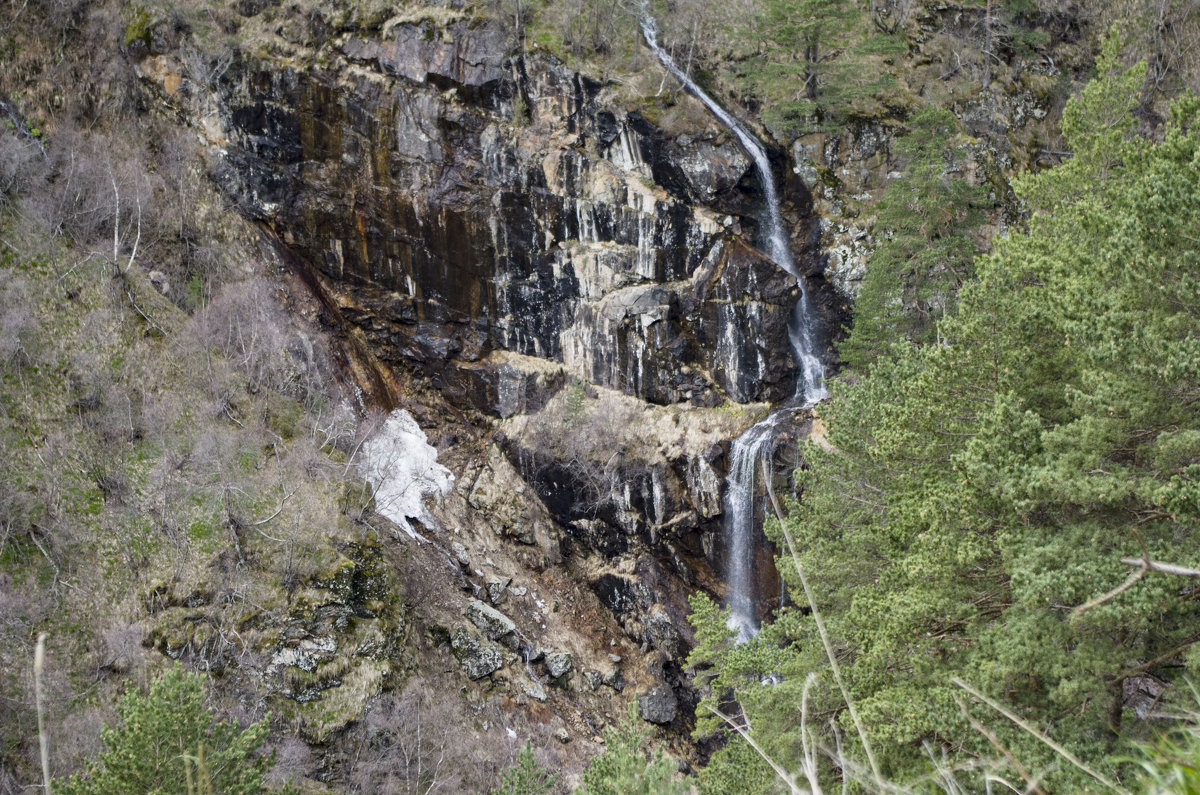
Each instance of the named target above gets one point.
<point>1004,518</point>
<point>998,528</point>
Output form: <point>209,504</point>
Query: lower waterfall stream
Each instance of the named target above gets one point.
<point>759,442</point>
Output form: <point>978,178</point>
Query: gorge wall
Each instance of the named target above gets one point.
<point>497,227</point>
<point>459,203</point>
<point>556,267</point>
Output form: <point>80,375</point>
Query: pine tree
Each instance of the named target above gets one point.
<point>624,769</point>
<point>972,516</point>
<point>926,226</point>
<point>168,742</point>
<point>526,777</point>
<point>808,71</point>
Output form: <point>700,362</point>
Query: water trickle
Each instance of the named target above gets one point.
<point>759,442</point>
<point>801,326</point>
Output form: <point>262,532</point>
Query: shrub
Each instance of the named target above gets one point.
<point>625,769</point>
<point>169,742</point>
<point>526,777</point>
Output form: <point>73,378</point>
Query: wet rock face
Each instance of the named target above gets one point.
<point>450,223</point>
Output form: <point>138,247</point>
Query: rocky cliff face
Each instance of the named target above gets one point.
<point>543,258</point>
<point>458,202</point>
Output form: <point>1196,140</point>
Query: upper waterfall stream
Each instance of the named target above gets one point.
<point>759,442</point>
<point>811,387</point>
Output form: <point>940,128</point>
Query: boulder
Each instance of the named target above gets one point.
<point>477,659</point>
<point>559,663</point>
<point>659,705</point>
<point>494,624</point>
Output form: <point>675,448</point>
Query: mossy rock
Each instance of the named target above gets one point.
<point>477,659</point>
<point>339,705</point>
<point>138,25</point>
<point>359,579</point>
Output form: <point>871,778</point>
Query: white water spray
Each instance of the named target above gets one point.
<point>759,442</point>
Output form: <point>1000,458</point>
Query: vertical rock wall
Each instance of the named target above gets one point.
<point>457,203</point>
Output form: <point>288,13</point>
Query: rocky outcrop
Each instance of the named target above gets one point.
<point>620,476</point>
<point>500,228</point>
<point>457,203</point>
<point>327,649</point>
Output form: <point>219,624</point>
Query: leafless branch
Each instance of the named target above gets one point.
<point>1133,580</point>
<point>1022,771</point>
<point>1165,568</point>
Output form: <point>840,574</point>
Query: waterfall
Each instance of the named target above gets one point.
<point>748,449</point>
<point>811,388</point>
<point>758,443</point>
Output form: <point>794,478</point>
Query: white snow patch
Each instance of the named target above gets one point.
<point>402,468</point>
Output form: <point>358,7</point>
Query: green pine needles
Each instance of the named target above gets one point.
<point>625,769</point>
<point>1001,534</point>
<point>926,228</point>
<point>169,742</point>
<point>526,777</point>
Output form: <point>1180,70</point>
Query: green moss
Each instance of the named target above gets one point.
<point>828,177</point>
<point>283,416</point>
<point>356,496</point>
<point>338,705</point>
<point>202,530</point>
<point>138,26</point>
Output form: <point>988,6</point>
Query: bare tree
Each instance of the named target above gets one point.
<point>402,746</point>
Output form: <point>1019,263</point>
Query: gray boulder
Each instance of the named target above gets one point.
<point>559,663</point>
<point>494,624</point>
<point>659,705</point>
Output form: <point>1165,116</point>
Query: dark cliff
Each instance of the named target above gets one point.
<point>458,201</point>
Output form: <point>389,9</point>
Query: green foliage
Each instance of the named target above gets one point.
<point>138,26</point>
<point>815,66</point>
<point>625,769</point>
<point>526,777</point>
<point>979,493</point>
<point>576,401</point>
<point>724,667</point>
<point>602,35</point>
<point>737,769</point>
<point>520,114</point>
<point>195,296</point>
<point>169,742</point>
<point>1171,763</point>
<point>926,226</point>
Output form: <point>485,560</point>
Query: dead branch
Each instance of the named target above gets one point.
<point>1165,568</point>
<point>1022,771</point>
<point>1159,660</point>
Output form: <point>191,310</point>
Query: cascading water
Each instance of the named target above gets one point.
<point>748,449</point>
<point>811,388</point>
<point>759,442</point>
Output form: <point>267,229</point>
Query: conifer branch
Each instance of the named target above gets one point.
<point>779,770</point>
<point>1056,747</point>
<point>816,614</point>
<point>1022,771</point>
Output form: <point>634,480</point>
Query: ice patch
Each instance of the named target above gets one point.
<point>402,468</point>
